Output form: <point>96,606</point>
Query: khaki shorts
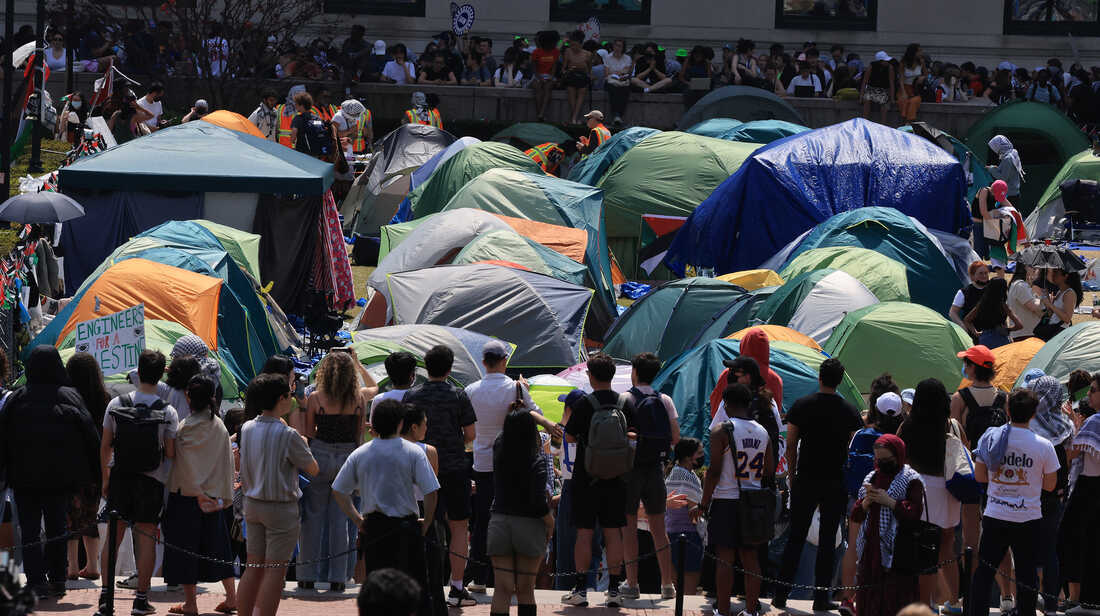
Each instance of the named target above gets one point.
<point>271,529</point>
<point>513,534</point>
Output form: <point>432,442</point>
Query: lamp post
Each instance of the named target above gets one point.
<point>6,103</point>
<point>35,164</point>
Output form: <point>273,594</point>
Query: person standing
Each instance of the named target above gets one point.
<point>597,133</point>
<point>353,122</point>
<point>992,314</point>
<point>658,431</point>
<point>49,448</point>
<point>966,299</point>
<point>272,455</point>
<point>1079,539</point>
<point>451,421</point>
<point>1024,301</point>
<point>151,102</point>
<point>819,428</point>
<point>1019,466</point>
<point>266,116</point>
<point>385,472</point>
<point>1009,168</point>
<point>87,379</point>
<point>683,481</point>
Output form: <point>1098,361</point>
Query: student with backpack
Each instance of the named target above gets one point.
<point>311,134</point>
<point>139,441</point>
<point>658,431</point>
<point>602,425</point>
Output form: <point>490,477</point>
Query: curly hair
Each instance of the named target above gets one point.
<point>338,379</point>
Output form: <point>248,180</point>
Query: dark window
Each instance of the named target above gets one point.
<point>609,11</point>
<point>411,8</point>
<point>1052,17</point>
<point>826,14</point>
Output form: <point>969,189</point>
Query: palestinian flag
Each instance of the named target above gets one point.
<point>656,237</point>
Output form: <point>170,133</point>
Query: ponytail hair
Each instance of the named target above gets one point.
<point>201,392</point>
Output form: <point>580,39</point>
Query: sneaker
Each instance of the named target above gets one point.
<point>130,583</point>
<point>460,597</point>
<point>142,608</point>
<point>305,586</point>
<point>848,608</point>
<point>612,598</point>
<point>336,587</point>
<point>477,589</point>
<point>779,600</point>
<point>951,608</point>
<point>668,591</point>
<point>1007,603</point>
<point>825,606</point>
<point>626,591</point>
<point>748,613</point>
<point>575,597</point>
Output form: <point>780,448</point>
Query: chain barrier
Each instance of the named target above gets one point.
<point>72,534</point>
<point>1019,584</point>
<point>565,574</point>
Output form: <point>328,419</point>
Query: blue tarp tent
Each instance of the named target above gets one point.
<point>795,183</point>
<point>590,169</point>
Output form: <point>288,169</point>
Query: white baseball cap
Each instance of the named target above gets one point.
<point>907,395</point>
<point>380,47</point>
<point>889,403</point>
<point>882,56</point>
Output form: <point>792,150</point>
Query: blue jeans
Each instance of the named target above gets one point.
<point>566,540</point>
<point>319,511</point>
<point>993,338</point>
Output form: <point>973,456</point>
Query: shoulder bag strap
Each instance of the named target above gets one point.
<point>733,453</point>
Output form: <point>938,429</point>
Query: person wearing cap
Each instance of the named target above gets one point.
<point>199,109</point>
<point>492,398</point>
<point>354,123</point>
<point>877,86</point>
<point>597,133</point>
<point>1002,225</point>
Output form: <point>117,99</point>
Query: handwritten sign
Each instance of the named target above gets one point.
<point>115,340</point>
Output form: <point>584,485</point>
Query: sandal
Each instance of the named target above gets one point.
<point>225,609</point>
<point>178,609</point>
<point>88,576</point>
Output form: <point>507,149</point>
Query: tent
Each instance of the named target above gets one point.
<point>745,103</point>
<point>577,376</point>
<point>666,319</point>
<point>376,193</point>
<point>880,274</point>
<point>737,315</point>
<point>233,121</point>
<point>793,184</point>
<point>1010,361</point>
<point>977,175</point>
<point>524,135</point>
<point>545,389</point>
<point>668,174</point>
<point>425,171</point>
<point>1075,348</point>
<point>931,275</point>
<point>464,166</point>
<point>763,131</point>
<point>753,279</point>
<point>418,339</point>
<point>509,246</point>
<point>777,333</point>
<point>714,127</point>
<point>1044,137</point>
<point>690,377</point>
<point>542,315</point>
<point>909,341</point>
<point>1043,220</point>
<point>242,246</point>
<point>593,167</point>
<point>814,358</point>
<point>815,302</point>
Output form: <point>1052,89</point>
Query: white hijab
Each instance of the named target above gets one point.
<point>1005,150</point>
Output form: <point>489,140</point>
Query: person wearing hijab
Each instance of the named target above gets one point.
<point>50,449</point>
<point>1079,540</point>
<point>891,494</point>
<point>1010,169</point>
<point>354,123</point>
<point>423,112</point>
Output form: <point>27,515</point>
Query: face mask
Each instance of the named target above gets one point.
<point>76,104</point>
<point>888,467</point>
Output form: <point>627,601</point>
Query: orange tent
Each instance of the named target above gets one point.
<point>568,241</point>
<point>233,121</point>
<point>169,294</point>
<point>1010,361</point>
<point>778,332</point>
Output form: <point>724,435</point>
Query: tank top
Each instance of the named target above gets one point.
<point>1060,303</point>
<point>336,428</point>
<point>416,490</point>
<point>752,445</point>
<point>911,74</point>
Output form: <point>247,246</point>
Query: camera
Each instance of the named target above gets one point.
<point>15,600</point>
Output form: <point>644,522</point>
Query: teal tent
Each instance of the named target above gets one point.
<point>592,167</point>
<point>736,316</point>
<point>714,127</point>
<point>456,171</point>
<point>524,135</point>
<point>745,103</point>
<point>763,131</point>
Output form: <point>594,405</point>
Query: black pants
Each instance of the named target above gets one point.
<point>1079,540</point>
<point>397,543</point>
<point>618,96</point>
<point>479,531</point>
<point>51,560</point>
<point>997,537</point>
<point>809,494</point>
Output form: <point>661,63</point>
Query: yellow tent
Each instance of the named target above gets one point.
<point>1010,361</point>
<point>778,332</point>
<point>751,280</point>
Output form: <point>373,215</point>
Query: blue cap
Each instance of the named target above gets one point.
<point>1031,375</point>
<point>572,397</point>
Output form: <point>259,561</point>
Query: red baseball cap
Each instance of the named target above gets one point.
<point>978,354</point>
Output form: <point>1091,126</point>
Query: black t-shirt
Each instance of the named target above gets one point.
<point>433,75</point>
<point>581,418</point>
<point>448,411</point>
<point>301,122</point>
<point>825,422</point>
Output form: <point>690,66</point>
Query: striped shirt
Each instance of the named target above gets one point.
<point>685,482</point>
<point>271,454</point>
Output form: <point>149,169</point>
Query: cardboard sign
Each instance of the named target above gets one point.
<point>115,340</point>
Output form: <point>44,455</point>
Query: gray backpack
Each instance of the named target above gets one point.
<point>608,452</point>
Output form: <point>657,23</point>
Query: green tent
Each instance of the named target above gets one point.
<point>736,316</point>
<point>763,131</point>
<point>1050,209</point>
<point>1044,137</point>
<point>244,247</point>
<point>464,166</point>
<point>815,302</point>
<point>1075,348</point>
<point>392,235</point>
<point>668,173</point>
<point>714,127</point>
<point>591,168</point>
<point>885,277</point>
<point>526,135</point>
<point>160,336</point>
<point>373,353</point>
<point>509,246</point>
<point>814,358</point>
<point>909,341</point>
<point>669,317</point>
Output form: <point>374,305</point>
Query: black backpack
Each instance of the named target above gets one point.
<point>981,418</point>
<point>653,429</point>
<point>137,435</point>
<point>317,137</point>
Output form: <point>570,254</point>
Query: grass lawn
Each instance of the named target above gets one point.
<point>53,154</point>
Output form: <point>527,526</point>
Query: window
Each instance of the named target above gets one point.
<point>826,14</point>
<point>411,8</point>
<point>1052,17</point>
<point>607,11</point>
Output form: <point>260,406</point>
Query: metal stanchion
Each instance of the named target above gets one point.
<point>967,574</point>
<point>680,575</point>
<point>108,607</point>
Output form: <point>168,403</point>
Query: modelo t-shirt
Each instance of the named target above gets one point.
<point>1015,489</point>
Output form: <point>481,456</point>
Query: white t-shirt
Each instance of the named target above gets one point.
<point>1022,301</point>
<point>620,66</point>
<point>720,416</point>
<point>154,107</point>
<point>218,48</point>
<point>491,397</point>
<point>385,471</point>
<point>959,300</point>
<point>567,456</point>
<point>798,80</point>
<point>167,430</point>
<point>393,71</point>
<point>1014,490</point>
<point>503,77</point>
<point>752,446</point>
<point>393,394</point>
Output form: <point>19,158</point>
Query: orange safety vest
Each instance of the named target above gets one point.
<point>547,155</point>
<point>325,113</point>
<point>602,134</point>
<point>285,122</point>
<point>434,119</point>
<point>359,136</point>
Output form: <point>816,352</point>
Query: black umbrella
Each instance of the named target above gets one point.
<point>40,207</point>
<point>1050,256</point>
